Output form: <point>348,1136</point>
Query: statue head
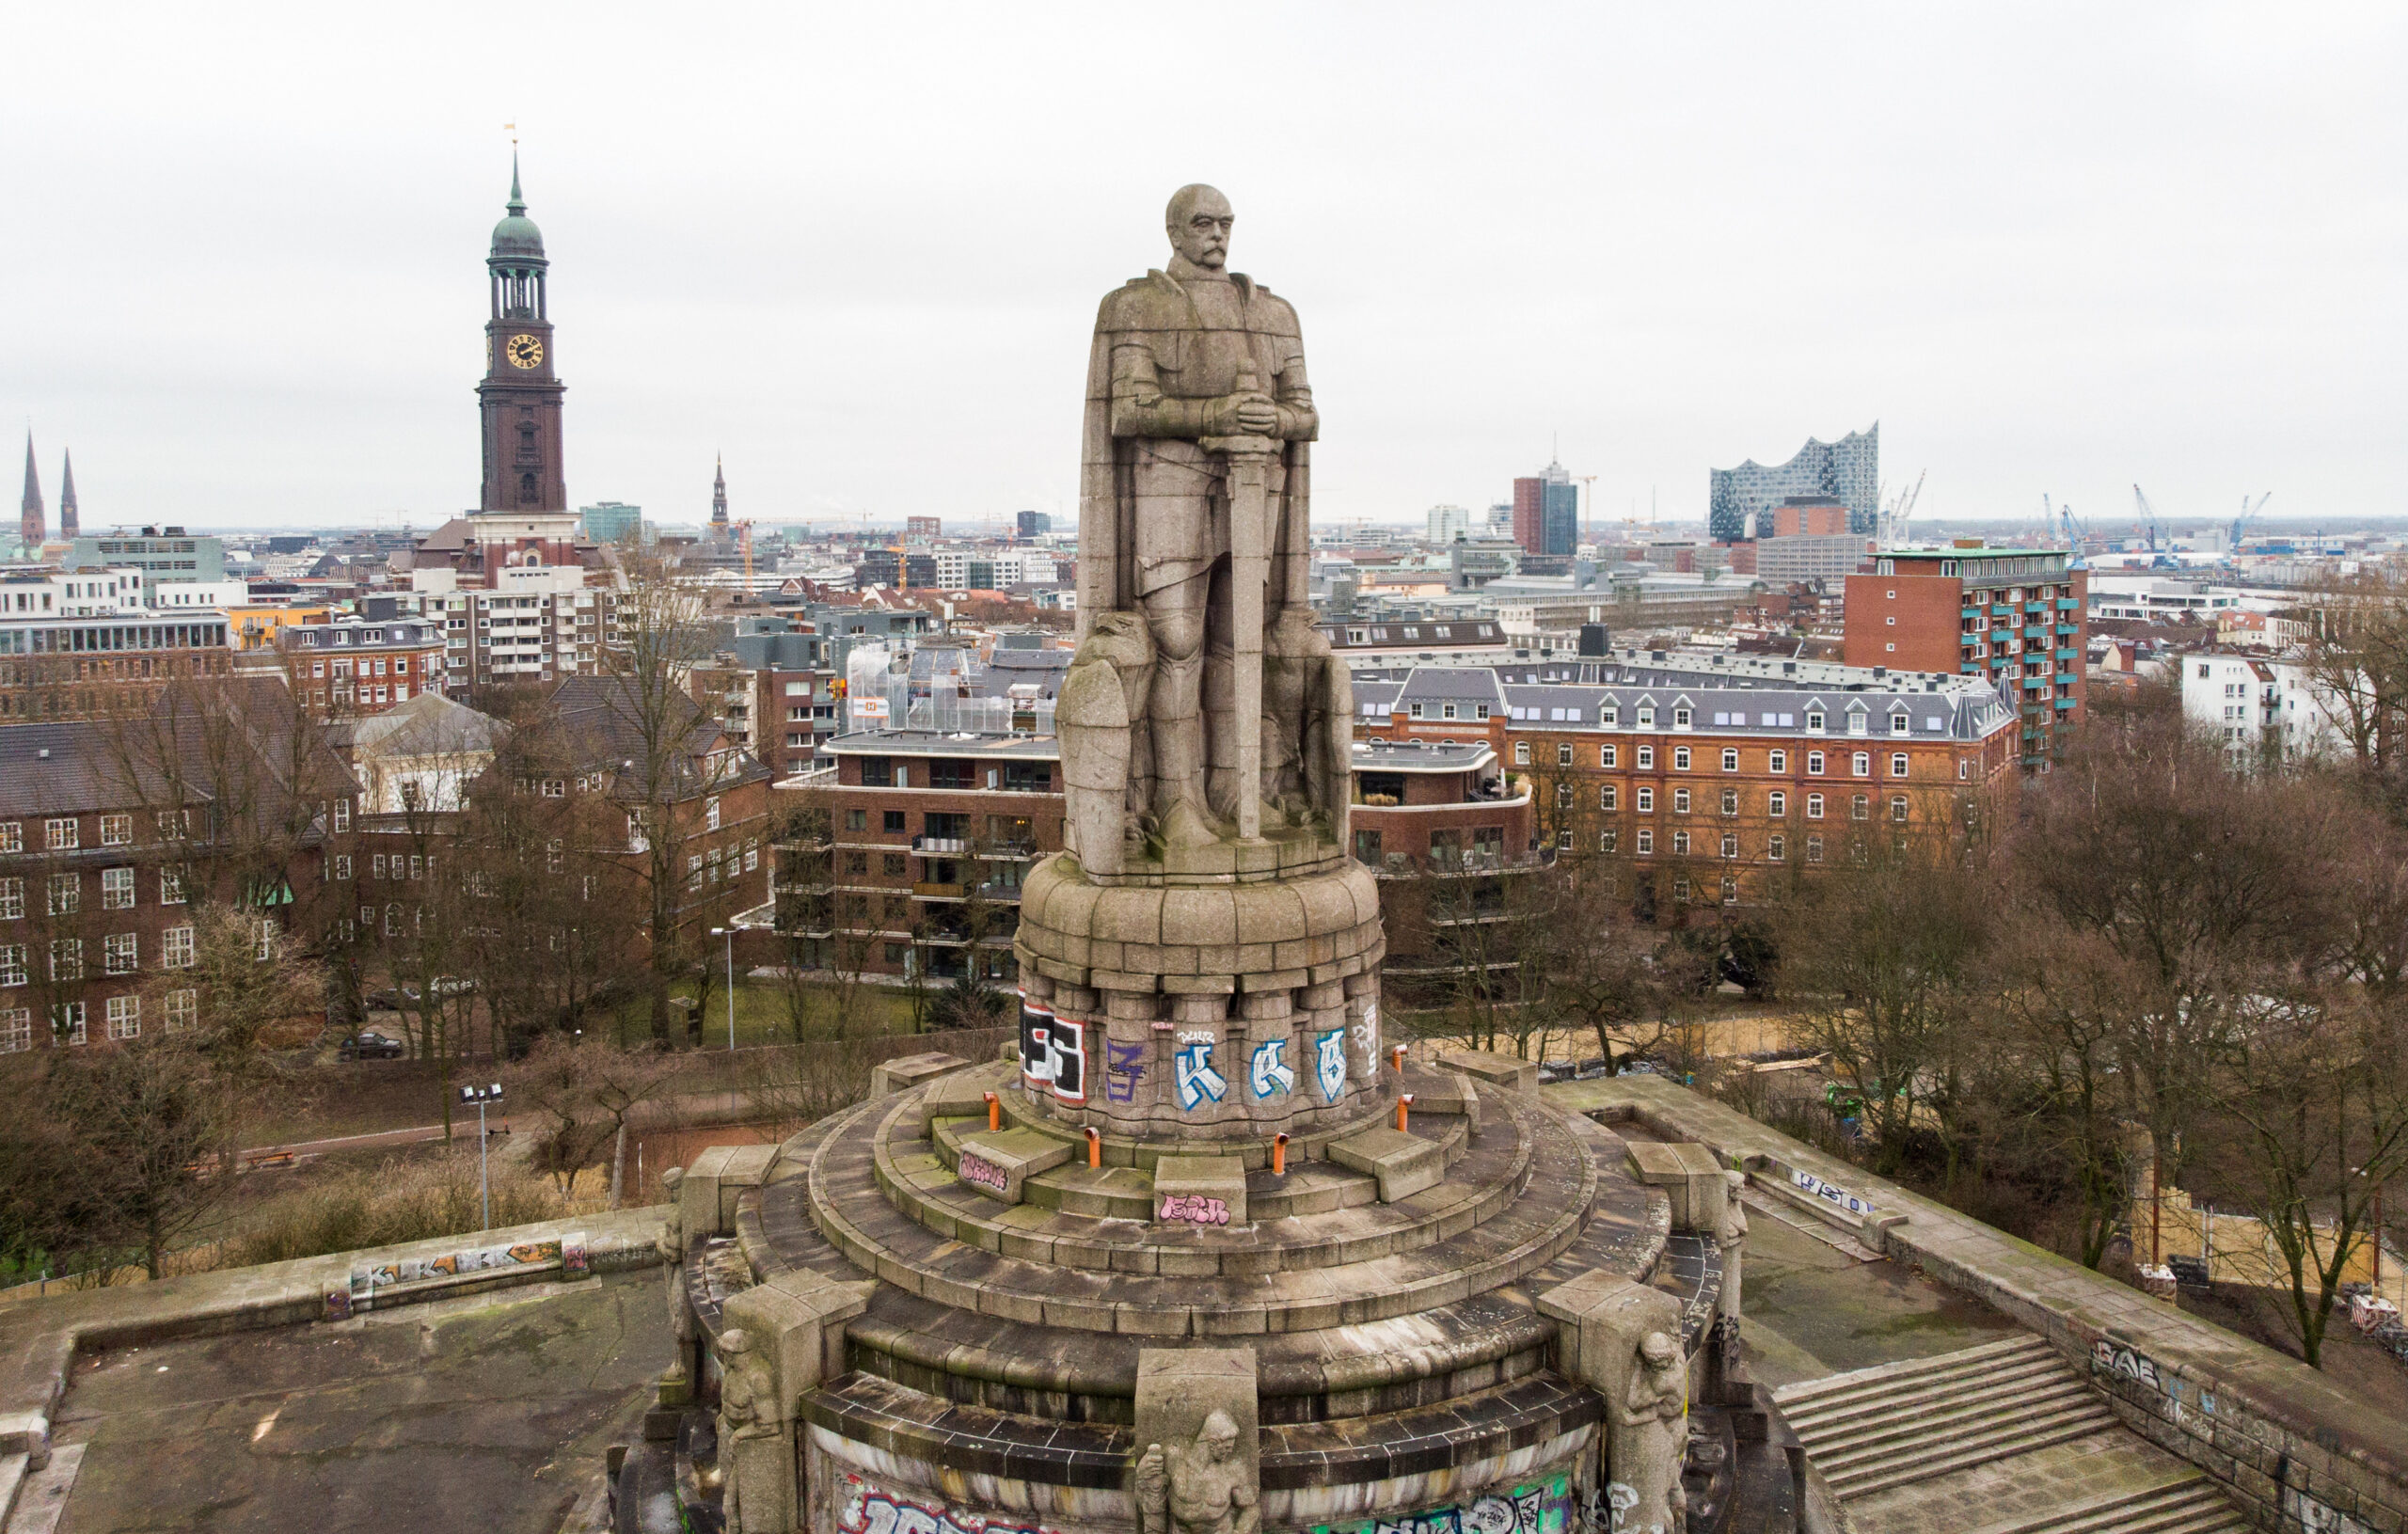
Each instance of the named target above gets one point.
<point>669,1179</point>
<point>734,1342</point>
<point>1218,1437</point>
<point>1199,223</point>
<point>1658,1352</point>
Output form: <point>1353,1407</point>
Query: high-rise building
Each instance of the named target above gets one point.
<point>1035,524</point>
<point>1848,470</point>
<point>612,521</point>
<point>2013,616</point>
<point>33,524</point>
<point>1546,511</point>
<point>521,396</point>
<point>1809,516</point>
<point>68,518</point>
<point>1449,523</point>
<point>923,530</point>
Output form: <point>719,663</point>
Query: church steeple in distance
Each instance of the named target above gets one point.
<point>718,503</point>
<point>520,395</point>
<point>32,528</point>
<point>69,525</point>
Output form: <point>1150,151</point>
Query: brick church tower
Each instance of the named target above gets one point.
<point>520,396</point>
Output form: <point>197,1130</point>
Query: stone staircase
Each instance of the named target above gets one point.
<point>2000,1439</point>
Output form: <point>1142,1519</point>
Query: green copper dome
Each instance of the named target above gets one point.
<point>516,238</point>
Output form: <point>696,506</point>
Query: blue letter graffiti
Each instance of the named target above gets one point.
<point>1270,1076</point>
<point>1123,1065</point>
<point>1329,1063</point>
<point>1197,1080</point>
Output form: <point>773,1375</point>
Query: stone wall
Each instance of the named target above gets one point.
<point>2295,1450</point>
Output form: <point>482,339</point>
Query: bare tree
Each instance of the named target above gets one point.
<point>152,1151</point>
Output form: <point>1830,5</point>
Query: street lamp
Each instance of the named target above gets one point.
<point>480,1095</point>
<point>729,933</point>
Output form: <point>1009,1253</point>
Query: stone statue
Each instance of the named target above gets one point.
<point>671,1243</point>
<point>1201,696</point>
<point>1200,1488</point>
<point>1650,1441</point>
<point>1733,1239</point>
<point>753,1495</point>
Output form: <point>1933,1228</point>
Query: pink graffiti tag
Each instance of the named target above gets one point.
<point>983,1172</point>
<point>1195,1208</point>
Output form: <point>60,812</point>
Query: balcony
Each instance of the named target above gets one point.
<point>2002,611</point>
<point>2066,630</point>
<point>956,844</point>
<point>2035,606</point>
<point>2066,604</point>
<point>1971,613</point>
<point>927,890</point>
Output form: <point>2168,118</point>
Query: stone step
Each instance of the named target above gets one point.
<point>2190,1505</point>
<point>1849,1415</point>
<point>14,1468</point>
<point>1883,1379</point>
<point>1839,1452</point>
<point>1923,1459</point>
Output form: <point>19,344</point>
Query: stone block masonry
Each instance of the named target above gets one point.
<point>2295,1450</point>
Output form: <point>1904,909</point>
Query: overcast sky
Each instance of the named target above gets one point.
<point>859,249</point>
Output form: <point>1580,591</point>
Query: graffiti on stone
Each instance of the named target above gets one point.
<point>1124,1066</point>
<point>1269,1073</point>
<point>1195,1208</point>
<point>1197,1080</point>
<point>2316,1517</point>
<point>1830,1192</point>
<point>523,1255</point>
<point>986,1174</point>
<point>1542,1506</point>
<point>1329,1064</point>
<point>871,1509</point>
<point>2125,1363</point>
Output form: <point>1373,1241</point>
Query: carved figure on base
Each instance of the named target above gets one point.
<point>1649,1442</point>
<point>1198,1488</point>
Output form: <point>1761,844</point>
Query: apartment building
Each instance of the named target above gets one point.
<point>1722,770</point>
<point>2013,617</point>
<point>354,665</point>
<point>2262,708</point>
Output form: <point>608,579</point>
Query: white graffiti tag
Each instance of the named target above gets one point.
<point>1269,1073</point>
<point>1329,1063</point>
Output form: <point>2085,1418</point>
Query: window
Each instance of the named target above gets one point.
<point>1521,754</point>
<point>892,822</point>
<point>67,958</point>
<point>1608,841</point>
<point>12,836</point>
<point>857,862</point>
<point>125,1017</point>
<point>1777,804</point>
<point>59,835</point>
<point>1646,756</point>
<point>117,830</point>
<point>418,865</point>
<point>171,887</point>
<point>1680,718</point>
<point>1680,801</point>
<point>1610,715</point>
<point>1858,724</point>
<point>1680,890</point>
<point>67,1021</point>
<point>1563,841</point>
<point>172,824</point>
<point>1813,849</point>
<point>16,1030</point>
<point>120,952</point>
<point>856,820</point>
<point>694,872</point>
<point>1776,847</point>
<point>1680,843</point>
<point>1367,846</point>
<point>1445,711</point>
<point>1898,807</point>
<point>894,866</point>
<point>12,964</point>
<point>1646,844</point>
<point>556,789</point>
<point>1730,846</point>
<point>342,867</point>
<point>1610,798</point>
<point>1897,764</point>
<point>1814,764</point>
<point>1609,756</point>
<point>66,894</point>
<point>1680,758</point>
<point>1730,802</point>
<point>117,889</point>
<point>1563,755</point>
<point>12,899</point>
<point>1646,800</point>
<point>1860,807</point>
<point>1777,762</point>
<point>1563,796</point>
<point>710,813</point>
<point>1813,806</point>
<point>1729,760</point>
<point>182,1009</point>
<point>376,864</point>
<point>1897,724</point>
<point>1814,719</point>
<point>1861,764</point>
<point>175,948</point>
<point>1646,716</point>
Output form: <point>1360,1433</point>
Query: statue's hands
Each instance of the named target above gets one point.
<point>1247,413</point>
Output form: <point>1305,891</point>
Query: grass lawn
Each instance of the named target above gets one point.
<point>761,1014</point>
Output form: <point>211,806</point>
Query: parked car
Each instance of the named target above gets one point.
<point>369,1045</point>
<point>393,999</point>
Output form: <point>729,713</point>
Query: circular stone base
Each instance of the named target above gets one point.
<point>1211,1010</point>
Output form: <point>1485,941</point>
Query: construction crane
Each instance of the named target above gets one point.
<point>2075,533</point>
<point>2241,523</point>
<point>2146,524</point>
<point>1889,527</point>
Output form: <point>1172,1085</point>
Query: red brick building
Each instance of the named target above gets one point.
<point>2013,617</point>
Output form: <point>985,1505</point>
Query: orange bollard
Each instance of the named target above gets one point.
<point>1403,1100</point>
<point>995,1112</point>
<point>1278,1155</point>
<point>1400,1059</point>
<point>1095,1147</point>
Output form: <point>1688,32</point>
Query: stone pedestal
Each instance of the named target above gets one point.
<point>1692,1177</point>
<point>910,1071</point>
<point>793,1326</point>
<point>1609,1326</point>
<point>1198,1463</point>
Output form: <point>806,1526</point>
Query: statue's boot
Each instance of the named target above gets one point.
<point>1185,825</point>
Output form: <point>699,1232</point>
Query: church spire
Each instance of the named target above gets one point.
<point>69,525</point>
<point>518,202</point>
<point>719,497</point>
<point>31,525</point>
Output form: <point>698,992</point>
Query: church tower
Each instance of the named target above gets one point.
<point>520,397</point>
<point>718,503</point>
<point>31,527</point>
<point>70,523</point>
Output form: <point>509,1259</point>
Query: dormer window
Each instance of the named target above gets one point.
<point>1898,724</point>
<point>1814,719</point>
<point>1646,716</point>
<point>1610,715</point>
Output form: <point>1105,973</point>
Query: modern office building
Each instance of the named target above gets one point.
<point>1546,511</point>
<point>163,555</point>
<point>611,521</point>
<point>1739,501</point>
<point>1449,523</point>
<point>1804,556</point>
<point>1035,524</point>
<point>2015,617</point>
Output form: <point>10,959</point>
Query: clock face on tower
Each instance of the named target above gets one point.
<point>523,351</point>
